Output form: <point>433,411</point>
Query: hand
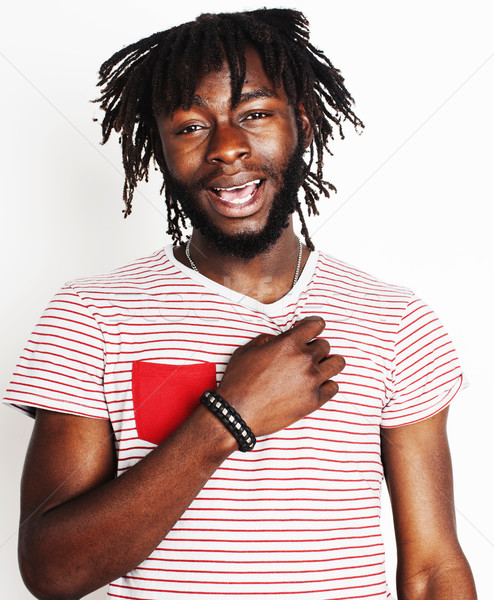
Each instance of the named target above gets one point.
<point>274,381</point>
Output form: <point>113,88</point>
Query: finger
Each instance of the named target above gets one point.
<point>307,329</point>
<point>330,366</point>
<point>259,340</point>
<point>327,390</point>
<point>319,349</point>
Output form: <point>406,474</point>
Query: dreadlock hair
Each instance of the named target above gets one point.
<point>160,73</point>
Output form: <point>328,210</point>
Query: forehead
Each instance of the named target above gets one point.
<point>218,85</point>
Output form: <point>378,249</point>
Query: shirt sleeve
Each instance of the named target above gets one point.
<point>426,372</point>
<point>62,366</point>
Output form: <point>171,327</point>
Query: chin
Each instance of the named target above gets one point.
<point>249,243</point>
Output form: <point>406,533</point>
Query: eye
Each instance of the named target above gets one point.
<point>258,114</point>
<point>190,129</point>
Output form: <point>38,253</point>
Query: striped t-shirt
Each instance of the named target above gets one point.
<point>299,516</point>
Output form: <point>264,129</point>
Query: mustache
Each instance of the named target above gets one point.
<point>267,170</point>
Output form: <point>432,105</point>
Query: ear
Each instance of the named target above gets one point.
<point>305,125</point>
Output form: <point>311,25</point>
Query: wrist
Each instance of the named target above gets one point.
<point>220,441</point>
<point>230,418</point>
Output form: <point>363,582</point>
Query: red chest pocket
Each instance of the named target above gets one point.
<point>165,395</point>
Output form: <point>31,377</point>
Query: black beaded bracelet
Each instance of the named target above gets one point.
<point>230,418</point>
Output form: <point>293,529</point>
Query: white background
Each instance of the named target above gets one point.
<point>414,202</point>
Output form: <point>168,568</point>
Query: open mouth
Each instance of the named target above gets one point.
<point>240,194</point>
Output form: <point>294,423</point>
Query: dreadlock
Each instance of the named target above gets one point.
<point>159,73</point>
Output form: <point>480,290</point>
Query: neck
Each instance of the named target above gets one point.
<point>267,277</point>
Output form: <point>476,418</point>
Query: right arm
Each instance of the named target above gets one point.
<point>81,527</point>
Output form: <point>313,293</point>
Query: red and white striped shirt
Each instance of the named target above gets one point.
<point>300,514</point>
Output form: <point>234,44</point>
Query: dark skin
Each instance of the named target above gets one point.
<point>81,523</point>
<point>82,528</point>
<point>417,462</point>
<point>229,147</point>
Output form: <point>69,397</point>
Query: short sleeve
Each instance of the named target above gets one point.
<point>62,365</point>
<point>426,373</point>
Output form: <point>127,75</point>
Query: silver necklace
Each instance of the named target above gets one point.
<point>299,261</point>
<point>297,270</point>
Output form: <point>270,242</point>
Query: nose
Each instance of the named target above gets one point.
<point>227,143</point>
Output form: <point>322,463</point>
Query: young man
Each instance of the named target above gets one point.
<point>248,391</point>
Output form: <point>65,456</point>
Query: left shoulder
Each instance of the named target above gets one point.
<point>345,278</point>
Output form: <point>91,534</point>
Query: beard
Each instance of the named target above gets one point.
<point>247,245</point>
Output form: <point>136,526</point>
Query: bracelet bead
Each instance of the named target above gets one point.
<point>230,418</point>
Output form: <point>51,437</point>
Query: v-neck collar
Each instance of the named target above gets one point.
<point>272,309</point>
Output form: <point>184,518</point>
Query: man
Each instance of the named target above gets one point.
<point>271,483</point>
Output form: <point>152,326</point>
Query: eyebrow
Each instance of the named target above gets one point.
<point>262,92</point>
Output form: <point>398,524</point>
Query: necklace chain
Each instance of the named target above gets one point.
<point>299,262</point>
<point>187,252</point>
<point>297,270</point>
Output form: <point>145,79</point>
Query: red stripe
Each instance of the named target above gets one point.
<point>264,592</point>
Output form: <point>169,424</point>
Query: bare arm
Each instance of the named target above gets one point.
<point>82,528</point>
<point>431,564</point>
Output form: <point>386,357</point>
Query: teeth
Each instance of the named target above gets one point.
<point>238,187</point>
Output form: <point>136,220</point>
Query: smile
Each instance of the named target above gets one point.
<point>240,194</point>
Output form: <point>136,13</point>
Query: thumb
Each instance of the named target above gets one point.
<point>308,328</point>
<point>259,340</point>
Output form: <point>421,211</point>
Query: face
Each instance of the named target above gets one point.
<point>236,170</point>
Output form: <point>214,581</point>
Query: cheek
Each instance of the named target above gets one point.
<point>177,161</point>
<point>282,140</point>
<point>277,150</point>
<point>181,165</point>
